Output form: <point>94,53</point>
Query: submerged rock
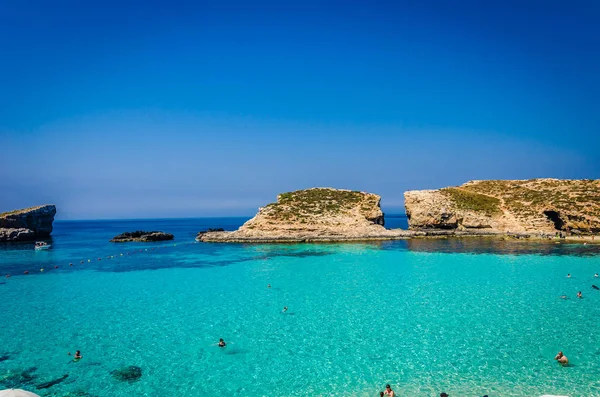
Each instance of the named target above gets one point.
<point>141,236</point>
<point>27,224</point>
<point>18,378</point>
<point>130,374</point>
<point>46,385</point>
<point>4,357</point>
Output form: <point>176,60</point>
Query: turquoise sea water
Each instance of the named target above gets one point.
<point>469,317</point>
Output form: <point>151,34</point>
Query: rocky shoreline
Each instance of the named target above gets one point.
<point>394,234</point>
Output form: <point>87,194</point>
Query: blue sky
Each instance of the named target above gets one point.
<point>181,109</point>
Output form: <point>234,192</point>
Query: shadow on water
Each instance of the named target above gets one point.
<point>498,246</point>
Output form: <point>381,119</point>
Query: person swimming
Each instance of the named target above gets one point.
<point>596,275</point>
<point>579,295</point>
<point>77,356</point>
<point>222,343</point>
<point>268,285</point>
<point>285,309</point>
<point>564,297</point>
<point>569,275</point>
<point>388,391</point>
<point>562,359</point>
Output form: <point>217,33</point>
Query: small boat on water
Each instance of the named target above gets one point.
<point>42,245</point>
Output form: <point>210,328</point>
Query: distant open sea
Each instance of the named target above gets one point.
<point>466,316</point>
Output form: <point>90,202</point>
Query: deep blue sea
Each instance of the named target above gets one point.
<point>465,316</point>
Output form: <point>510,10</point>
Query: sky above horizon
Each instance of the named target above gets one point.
<point>182,109</point>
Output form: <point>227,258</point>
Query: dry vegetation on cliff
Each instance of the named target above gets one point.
<point>21,211</point>
<point>310,204</point>
<point>543,205</point>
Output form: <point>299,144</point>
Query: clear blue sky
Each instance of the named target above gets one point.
<point>167,109</point>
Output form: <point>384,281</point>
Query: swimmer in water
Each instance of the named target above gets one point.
<point>388,391</point>
<point>285,309</point>
<point>268,285</point>
<point>596,275</point>
<point>562,359</point>
<point>569,275</point>
<point>564,297</point>
<point>77,355</point>
<point>222,343</point>
<point>579,295</point>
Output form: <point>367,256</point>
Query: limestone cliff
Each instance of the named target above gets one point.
<point>27,224</point>
<point>535,205</point>
<point>318,214</point>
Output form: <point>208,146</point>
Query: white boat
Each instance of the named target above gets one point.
<point>42,245</point>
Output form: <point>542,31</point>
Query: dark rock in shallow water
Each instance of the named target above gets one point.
<point>18,379</point>
<point>4,357</point>
<point>127,374</point>
<point>46,385</point>
<point>141,236</point>
<point>210,230</point>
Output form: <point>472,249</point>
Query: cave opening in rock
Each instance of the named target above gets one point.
<point>554,217</point>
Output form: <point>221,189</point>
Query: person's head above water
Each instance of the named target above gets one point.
<point>443,394</point>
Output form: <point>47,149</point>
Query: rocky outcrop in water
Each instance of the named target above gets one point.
<point>27,224</point>
<point>318,214</point>
<point>141,236</point>
<point>505,206</point>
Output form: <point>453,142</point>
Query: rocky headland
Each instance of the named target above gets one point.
<point>27,224</point>
<point>540,206</point>
<point>141,236</point>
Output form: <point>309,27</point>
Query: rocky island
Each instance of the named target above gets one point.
<point>505,206</point>
<point>313,215</point>
<point>522,208</point>
<point>141,236</point>
<point>27,224</point>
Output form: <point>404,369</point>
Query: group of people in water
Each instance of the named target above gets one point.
<point>579,294</point>
<point>390,393</point>
<point>560,357</point>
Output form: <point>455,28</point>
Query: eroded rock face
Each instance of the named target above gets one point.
<point>318,214</point>
<point>27,224</point>
<point>141,236</point>
<point>536,205</point>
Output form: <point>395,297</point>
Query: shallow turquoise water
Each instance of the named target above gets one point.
<point>465,317</point>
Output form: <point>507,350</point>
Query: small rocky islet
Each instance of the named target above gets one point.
<point>142,236</point>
